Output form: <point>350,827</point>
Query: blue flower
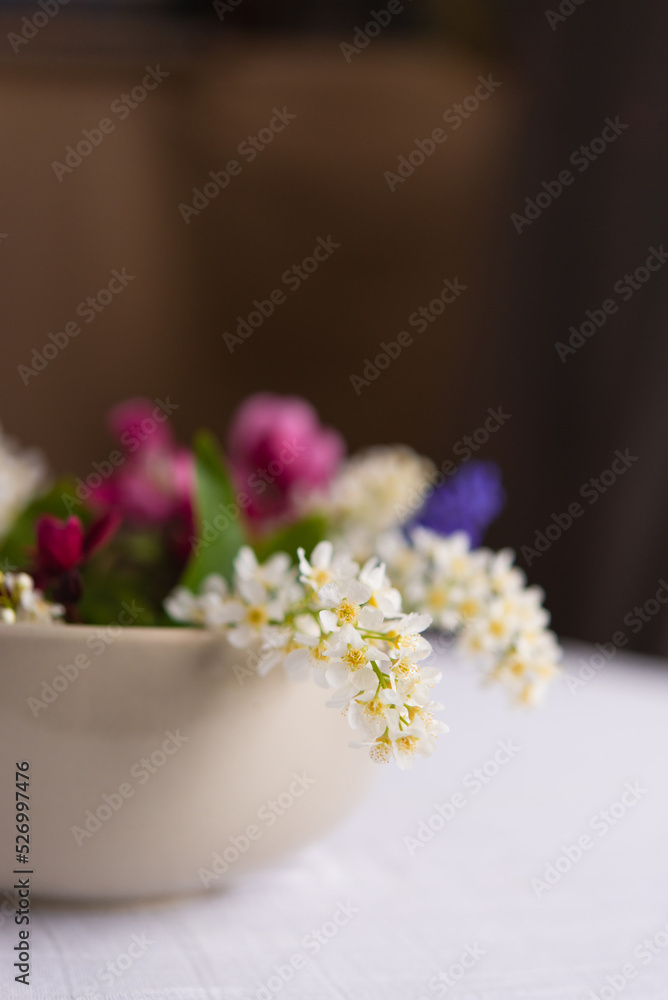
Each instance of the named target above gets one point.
<point>468,502</point>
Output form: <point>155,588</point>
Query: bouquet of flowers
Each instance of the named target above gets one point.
<point>333,567</point>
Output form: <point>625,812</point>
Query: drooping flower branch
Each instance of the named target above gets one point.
<point>341,623</point>
<point>483,600</point>
<point>345,626</point>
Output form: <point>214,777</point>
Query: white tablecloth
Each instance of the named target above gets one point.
<point>472,913</point>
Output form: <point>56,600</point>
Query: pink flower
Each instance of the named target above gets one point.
<point>279,451</point>
<point>155,482</point>
<point>62,547</point>
<point>60,544</point>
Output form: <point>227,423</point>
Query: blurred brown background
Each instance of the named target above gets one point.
<point>323,177</point>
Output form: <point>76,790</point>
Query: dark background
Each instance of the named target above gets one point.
<point>322,176</point>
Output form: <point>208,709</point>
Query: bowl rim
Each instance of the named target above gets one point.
<point>63,630</point>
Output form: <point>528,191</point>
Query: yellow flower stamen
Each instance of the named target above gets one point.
<point>355,658</point>
<point>256,615</point>
<point>347,611</point>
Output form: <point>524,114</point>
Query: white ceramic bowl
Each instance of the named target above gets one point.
<point>156,768</point>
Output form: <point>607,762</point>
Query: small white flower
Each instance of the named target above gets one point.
<point>358,687</point>
<point>20,602</point>
<point>418,738</point>
<point>412,681</point>
<point>274,573</point>
<point>22,476</point>
<point>276,642</point>
<point>253,612</point>
<point>371,713</point>
<point>349,653</point>
<point>403,635</point>
<point>206,608</point>
<point>383,594</point>
<point>325,566</point>
<point>375,491</point>
<point>306,659</point>
<point>505,578</point>
<point>344,605</point>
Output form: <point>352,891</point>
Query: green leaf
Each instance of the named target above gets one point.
<point>218,531</point>
<point>138,568</point>
<point>304,534</point>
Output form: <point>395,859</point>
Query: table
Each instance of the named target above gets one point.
<point>526,859</point>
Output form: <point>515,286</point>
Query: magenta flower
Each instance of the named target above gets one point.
<point>63,547</point>
<point>60,544</point>
<point>154,482</point>
<point>279,452</point>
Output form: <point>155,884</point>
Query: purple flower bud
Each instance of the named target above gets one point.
<point>468,502</point>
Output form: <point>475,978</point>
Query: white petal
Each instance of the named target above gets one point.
<point>329,620</point>
<point>321,557</point>
<point>357,591</point>
<point>240,637</point>
<point>330,595</point>
<point>370,619</point>
<point>252,591</point>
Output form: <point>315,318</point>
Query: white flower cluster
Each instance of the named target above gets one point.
<point>376,490</point>
<point>22,473</point>
<point>341,623</point>
<point>20,602</point>
<point>482,598</point>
